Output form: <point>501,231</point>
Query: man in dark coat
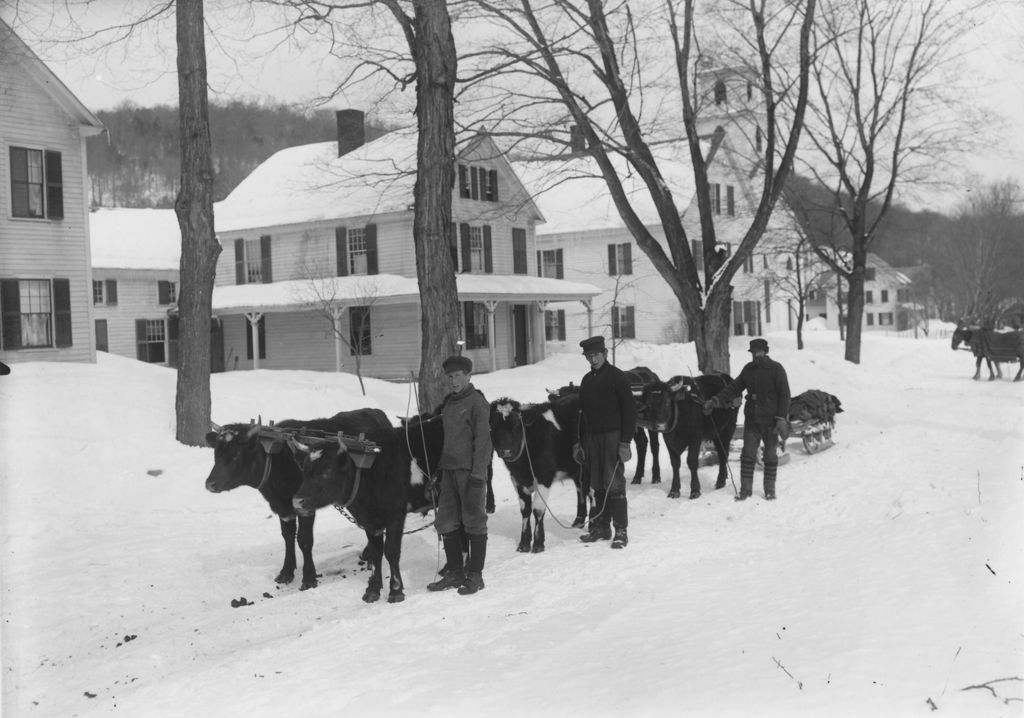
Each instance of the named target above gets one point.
<point>607,423</point>
<point>464,460</point>
<point>764,416</point>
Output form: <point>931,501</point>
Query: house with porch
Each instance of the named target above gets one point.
<point>318,267</point>
<point>45,275</point>
<point>888,302</point>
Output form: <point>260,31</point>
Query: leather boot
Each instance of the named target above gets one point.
<point>474,569</point>
<point>769,481</point>
<point>454,575</point>
<point>746,479</point>
<point>620,515</point>
<point>599,526</point>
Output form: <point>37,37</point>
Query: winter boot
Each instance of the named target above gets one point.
<point>600,524</point>
<point>620,516</point>
<point>453,576</point>
<point>474,569</point>
<point>769,481</point>
<point>746,479</point>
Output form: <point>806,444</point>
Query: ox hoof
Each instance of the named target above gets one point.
<point>694,495</point>
<point>396,597</point>
<point>636,480</point>
<point>579,523</point>
<point>284,577</point>
<point>655,479</point>
<point>538,548</point>
<point>720,484</point>
<point>372,595</point>
<point>673,494</point>
<point>311,583</point>
<point>523,548</point>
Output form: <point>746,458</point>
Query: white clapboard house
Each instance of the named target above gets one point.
<point>45,278</point>
<point>318,265</point>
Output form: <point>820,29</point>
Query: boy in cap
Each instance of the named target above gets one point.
<point>607,425</point>
<point>764,416</point>
<point>464,460</point>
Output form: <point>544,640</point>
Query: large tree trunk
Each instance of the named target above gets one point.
<point>712,335</point>
<point>434,53</point>
<point>199,247</point>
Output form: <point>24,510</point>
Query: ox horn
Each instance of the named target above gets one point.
<point>216,427</point>
<point>295,444</point>
<point>342,447</point>
<point>678,386</point>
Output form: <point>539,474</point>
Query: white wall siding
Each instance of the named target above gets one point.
<point>137,298</point>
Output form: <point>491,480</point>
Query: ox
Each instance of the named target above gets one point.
<point>242,458</point>
<point>638,378</point>
<point>994,347</point>
<point>676,409</point>
<point>535,442</point>
<point>377,497</point>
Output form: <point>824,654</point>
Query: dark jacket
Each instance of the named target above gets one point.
<point>467,432</point>
<point>606,402</point>
<point>767,389</point>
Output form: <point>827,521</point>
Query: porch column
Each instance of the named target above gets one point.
<point>590,316</point>
<point>254,332</point>
<point>336,314</point>
<point>542,306</point>
<point>491,306</point>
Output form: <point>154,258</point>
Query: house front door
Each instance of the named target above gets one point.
<point>520,340</point>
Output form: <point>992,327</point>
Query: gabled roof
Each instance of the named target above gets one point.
<point>135,239</point>
<point>574,197</point>
<point>15,49</point>
<point>310,183</point>
<point>385,289</point>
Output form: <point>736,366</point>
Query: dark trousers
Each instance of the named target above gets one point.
<point>462,503</point>
<point>754,434</point>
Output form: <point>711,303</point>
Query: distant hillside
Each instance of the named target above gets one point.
<point>135,164</point>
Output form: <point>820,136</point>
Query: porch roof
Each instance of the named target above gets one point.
<point>389,289</point>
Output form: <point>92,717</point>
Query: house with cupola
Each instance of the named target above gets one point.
<point>318,266</point>
<point>45,275</point>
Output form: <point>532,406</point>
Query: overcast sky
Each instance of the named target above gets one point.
<point>142,68</point>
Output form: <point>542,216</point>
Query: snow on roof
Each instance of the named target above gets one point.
<point>574,197</point>
<point>311,183</point>
<point>135,239</point>
<point>380,289</point>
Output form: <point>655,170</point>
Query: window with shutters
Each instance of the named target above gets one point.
<point>476,249</point>
<point>870,319</point>
<point>869,297</point>
<point>97,291</point>
<point>746,318</point>
<point>150,340</point>
<point>477,183</point>
<point>620,259</point>
<point>356,250</point>
<point>554,325</point>
<point>36,309</point>
<point>360,334</point>
<point>166,292</point>
<point>885,319</point>
<point>885,296</point>
<point>253,263</point>
<point>623,323</point>
<point>35,313</point>
<point>550,264</point>
<point>37,184</point>
<point>475,318</point>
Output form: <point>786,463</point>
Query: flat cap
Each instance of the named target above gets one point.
<point>457,362</point>
<point>593,344</point>
<point>758,345</point>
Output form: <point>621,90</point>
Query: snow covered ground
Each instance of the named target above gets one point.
<point>885,580</point>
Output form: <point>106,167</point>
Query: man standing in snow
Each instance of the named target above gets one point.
<point>764,416</point>
<point>607,424</point>
<point>464,460</point>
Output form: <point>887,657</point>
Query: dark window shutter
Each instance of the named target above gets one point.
<point>239,261</point>
<point>627,258</point>
<point>62,311</point>
<point>730,200</point>
<point>488,259</point>
<point>10,304</point>
<point>474,180</point>
<point>463,182</point>
<point>172,341</point>
<point>518,251</point>
<point>248,336</point>
<point>561,325</point>
<point>630,325</point>
<point>111,289</point>
<point>141,348</point>
<point>371,248</point>
<point>492,183</point>
<point>453,245</point>
<point>54,185</point>
<point>467,258</point>
<point>540,267</point>
<point>611,260</point>
<point>341,249</point>
<point>467,311</point>
<point>19,186</point>
<point>163,292</point>
<point>560,273</point>
<point>265,268</point>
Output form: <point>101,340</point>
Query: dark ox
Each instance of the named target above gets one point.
<point>535,442</point>
<point>378,498</point>
<point>638,377</point>
<point>992,346</point>
<point>676,409</point>
<point>242,458</point>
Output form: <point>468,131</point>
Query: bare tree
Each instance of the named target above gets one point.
<point>796,273</point>
<point>199,245</point>
<point>605,68</point>
<point>879,115</point>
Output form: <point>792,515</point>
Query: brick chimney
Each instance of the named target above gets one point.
<point>351,130</point>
